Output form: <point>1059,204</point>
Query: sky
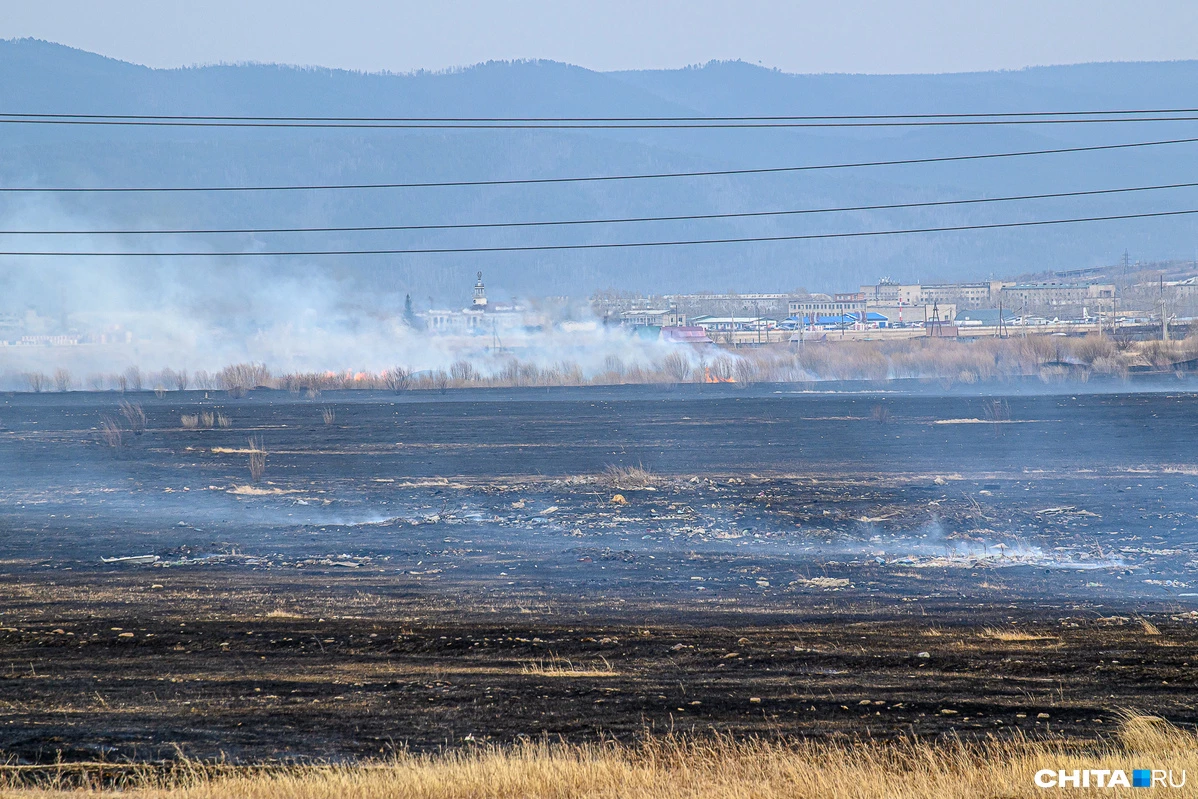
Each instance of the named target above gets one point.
<point>873,36</point>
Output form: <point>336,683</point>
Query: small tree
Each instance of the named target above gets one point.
<point>62,380</point>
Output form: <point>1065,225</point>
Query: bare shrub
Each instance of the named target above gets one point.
<point>222,420</point>
<point>202,380</point>
<point>176,380</point>
<point>241,377</point>
<point>745,370</point>
<point>121,382</point>
<point>111,432</point>
<point>62,380</point>
<point>95,382</point>
<point>312,393</point>
<point>190,421</point>
<point>676,366</point>
<point>257,458</point>
<point>997,413</point>
<point>462,372</point>
<point>133,379</point>
<point>160,391</point>
<point>135,416</point>
<point>328,414</point>
<point>880,414</point>
<point>613,367</point>
<point>722,369</point>
<point>36,381</point>
<point>440,380</point>
<point>397,378</point>
<point>207,418</point>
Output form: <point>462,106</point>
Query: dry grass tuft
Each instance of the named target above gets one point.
<point>630,477</point>
<point>1149,627</point>
<point>135,416</point>
<point>673,767</point>
<point>556,666</point>
<point>189,421</point>
<point>329,415</point>
<point>257,458</point>
<point>111,432</point>
<point>223,420</point>
<point>1001,634</point>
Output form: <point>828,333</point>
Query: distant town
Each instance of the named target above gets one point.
<point>1132,299</point>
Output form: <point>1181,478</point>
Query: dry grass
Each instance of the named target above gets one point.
<point>1149,627</point>
<point>111,432</point>
<point>189,421</point>
<point>677,768</point>
<point>329,415</point>
<point>630,478</point>
<point>257,458</point>
<point>556,666</point>
<point>1001,634</point>
<point>223,420</point>
<point>135,416</point>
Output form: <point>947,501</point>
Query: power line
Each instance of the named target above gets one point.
<point>582,123</point>
<point>764,118</point>
<point>596,178</point>
<point>605,246</point>
<point>616,220</point>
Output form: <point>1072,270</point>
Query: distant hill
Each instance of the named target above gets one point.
<point>41,77</point>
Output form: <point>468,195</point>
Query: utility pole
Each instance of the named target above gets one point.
<point>1002,330</point>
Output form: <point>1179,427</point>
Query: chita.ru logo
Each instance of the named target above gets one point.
<point>1109,778</point>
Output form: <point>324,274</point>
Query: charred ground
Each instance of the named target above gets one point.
<point>434,569</point>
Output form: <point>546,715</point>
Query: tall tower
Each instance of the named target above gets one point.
<point>480,295</point>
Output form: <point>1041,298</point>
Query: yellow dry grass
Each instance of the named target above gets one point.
<point>682,768</point>
<point>555,666</point>
<point>1001,634</point>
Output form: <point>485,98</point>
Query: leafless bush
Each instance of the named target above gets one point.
<point>207,418</point>
<point>135,416</point>
<point>880,414</point>
<point>202,380</point>
<point>122,383</point>
<point>36,381</point>
<point>241,377</point>
<point>222,420</point>
<point>312,393</point>
<point>328,414</point>
<point>676,366</point>
<point>746,371</point>
<point>95,382</point>
<point>722,369</point>
<point>462,372</point>
<point>111,432</point>
<point>397,378</point>
<point>440,380</point>
<point>62,380</point>
<point>190,421</point>
<point>613,367</point>
<point>133,379</point>
<point>257,458</point>
<point>172,379</point>
<point>160,391</point>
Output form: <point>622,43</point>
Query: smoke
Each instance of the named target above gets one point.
<point>95,316</point>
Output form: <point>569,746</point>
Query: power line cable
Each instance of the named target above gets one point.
<point>617,220</point>
<point>578,123</point>
<point>596,178</point>
<point>603,246</point>
<point>764,118</point>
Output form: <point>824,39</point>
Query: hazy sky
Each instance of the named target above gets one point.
<point>797,36</point>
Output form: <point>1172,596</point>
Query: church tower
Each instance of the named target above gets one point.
<point>480,295</point>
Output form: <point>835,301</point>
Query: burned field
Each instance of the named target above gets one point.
<point>435,569</point>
